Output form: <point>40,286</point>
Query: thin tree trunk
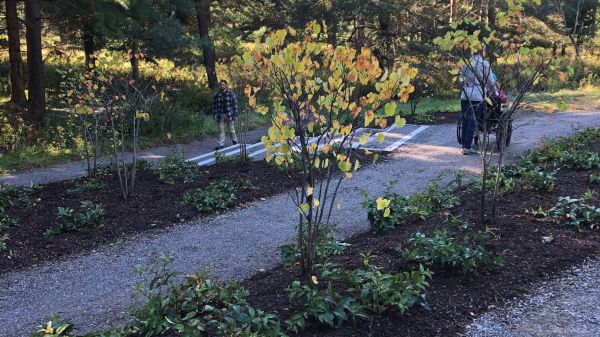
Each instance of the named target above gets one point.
<point>451,12</point>
<point>89,49</point>
<point>483,14</point>
<point>35,65</point>
<point>135,62</point>
<point>17,85</point>
<point>208,48</point>
<point>492,13</point>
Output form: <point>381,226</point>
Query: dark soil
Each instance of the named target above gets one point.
<point>155,205</point>
<point>453,299</point>
<point>434,118</point>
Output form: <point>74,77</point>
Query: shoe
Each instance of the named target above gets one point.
<point>467,152</point>
<point>234,142</point>
<point>220,147</point>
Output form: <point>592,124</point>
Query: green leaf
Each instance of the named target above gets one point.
<point>390,108</point>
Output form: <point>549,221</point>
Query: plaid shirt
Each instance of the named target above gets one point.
<point>225,104</point>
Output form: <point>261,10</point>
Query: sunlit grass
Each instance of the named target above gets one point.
<point>586,98</point>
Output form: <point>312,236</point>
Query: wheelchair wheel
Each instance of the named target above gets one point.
<point>459,131</point>
<point>499,134</point>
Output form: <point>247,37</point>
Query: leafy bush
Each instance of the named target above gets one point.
<point>326,306</point>
<point>198,307</point>
<point>327,246</point>
<point>14,196</point>
<point>111,168</point>
<point>580,160</point>
<point>524,174</point>
<point>576,213</point>
<point>89,216</point>
<point>469,254</point>
<point>87,186</point>
<point>219,195</point>
<point>175,168</point>
<point>594,179</point>
<point>379,291</point>
<point>538,180</point>
<point>387,212</point>
<point>4,250</point>
<point>56,327</point>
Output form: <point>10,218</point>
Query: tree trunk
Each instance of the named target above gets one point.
<point>208,48</point>
<point>35,65</point>
<point>483,14</point>
<point>17,85</point>
<point>451,12</point>
<point>135,62</point>
<point>89,48</point>
<point>492,13</point>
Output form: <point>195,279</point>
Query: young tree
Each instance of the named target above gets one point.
<point>520,64</point>
<point>35,65</point>
<point>17,86</point>
<point>321,95</point>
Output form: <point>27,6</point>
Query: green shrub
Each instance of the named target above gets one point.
<point>175,168</point>
<point>219,195</point>
<point>379,291</point>
<point>14,196</point>
<point>442,248</point>
<point>89,216</point>
<point>87,186</point>
<point>198,307</point>
<point>576,213</point>
<point>594,179</point>
<point>4,250</point>
<point>387,212</point>
<point>327,246</point>
<point>326,306</point>
<point>580,160</point>
<point>111,168</point>
<point>56,327</point>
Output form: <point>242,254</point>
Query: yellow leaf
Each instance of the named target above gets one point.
<point>400,122</point>
<point>390,109</point>
<point>356,165</point>
<point>369,116</point>
<point>304,207</point>
<point>364,138</point>
<point>382,203</point>
<point>316,202</point>
<point>380,137</point>
<point>261,109</point>
<point>344,166</point>
<point>309,191</point>
<point>386,213</point>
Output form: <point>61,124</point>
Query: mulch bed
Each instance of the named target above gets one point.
<point>156,205</point>
<point>454,299</point>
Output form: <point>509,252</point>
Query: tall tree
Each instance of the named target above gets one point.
<point>208,48</point>
<point>35,65</point>
<point>17,85</point>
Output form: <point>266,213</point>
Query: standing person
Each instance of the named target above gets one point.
<point>477,76</point>
<point>225,109</point>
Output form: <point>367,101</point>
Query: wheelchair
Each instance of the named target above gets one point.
<point>495,113</point>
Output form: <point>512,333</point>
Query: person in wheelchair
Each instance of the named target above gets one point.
<point>478,83</point>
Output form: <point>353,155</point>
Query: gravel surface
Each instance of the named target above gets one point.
<point>567,307</point>
<point>93,290</point>
<point>78,168</point>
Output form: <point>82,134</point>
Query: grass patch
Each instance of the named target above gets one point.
<point>585,98</point>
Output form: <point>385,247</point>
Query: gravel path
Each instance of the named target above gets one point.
<point>93,290</point>
<point>77,169</point>
<point>568,307</point>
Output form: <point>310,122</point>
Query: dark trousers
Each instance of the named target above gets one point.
<point>469,120</point>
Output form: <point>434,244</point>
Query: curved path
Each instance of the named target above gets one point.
<point>93,290</point>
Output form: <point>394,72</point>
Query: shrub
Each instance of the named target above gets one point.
<point>198,307</point>
<point>175,168</point>
<point>4,250</point>
<point>56,327</point>
<point>89,216</point>
<point>387,212</point>
<point>326,306</point>
<point>580,160</point>
<point>469,254</point>
<point>14,196</point>
<point>594,179</point>
<point>219,195</point>
<point>379,291</point>
<point>576,212</point>
<point>327,246</point>
<point>87,186</point>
